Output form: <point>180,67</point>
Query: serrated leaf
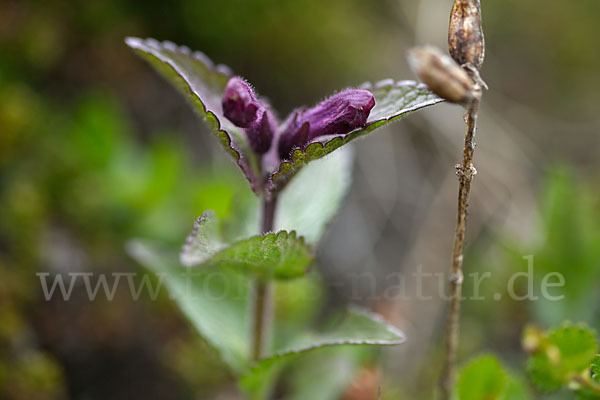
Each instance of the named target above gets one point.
<point>281,256</point>
<point>565,352</point>
<point>313,198</point>
<point>215,301</point>
<point>359,327</point>
<point>203,83</point>
<point>483,378</point>
<point>595,369</point>
<point>203,242</point>
<point>393,100</point>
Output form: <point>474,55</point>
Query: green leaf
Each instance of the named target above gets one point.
<point>324,374</point>
<point>359,327</point>
<point>393,100</point>
<point>203,83</point>
<point>565,352</point>
<point>313,198</point>
<point>203,242</point>
<point>281,256</point>
<point>517,389</point>
<point>569,241</point>
<point>483,378</point>
<point>595,369</point>
<point>215,301</point>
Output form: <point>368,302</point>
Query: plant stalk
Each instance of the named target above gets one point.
<point>262,308</point>
<point>586,383</point>
<point>465,171</point>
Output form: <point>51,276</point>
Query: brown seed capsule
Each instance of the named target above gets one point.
<point>465,35</point>
<point>441,74</point>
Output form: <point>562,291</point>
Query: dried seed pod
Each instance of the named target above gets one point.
<point>465,35</point>
<point>442,75</point>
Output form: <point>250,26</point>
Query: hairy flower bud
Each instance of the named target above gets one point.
<point>260,133</point>
<point>241,106</point>
<point>465,35</point>
<point>441,74</point>
<point>337,115</point>
<point>239,102</point>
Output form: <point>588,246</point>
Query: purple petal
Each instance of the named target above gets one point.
<point>240,105</point>
<point>338,115</point>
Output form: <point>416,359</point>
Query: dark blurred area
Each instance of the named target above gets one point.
<point>95,148</point>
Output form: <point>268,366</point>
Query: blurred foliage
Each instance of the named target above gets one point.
<point>93,151</point>
<point>566,240</point>
<point>562,358</point>
<point>570,245</point>
<point>596,369</point>
<point>556,59</point>
<point>75,183</point>
<point>85,186</point>
<point>483,378</point>
<point>486,378</point>
<point>560,355</point>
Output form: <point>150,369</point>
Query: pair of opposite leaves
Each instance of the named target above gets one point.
<point>247,129</point>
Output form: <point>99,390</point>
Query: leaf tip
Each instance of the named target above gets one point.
<point>392,329</point>
<point>132,41</point>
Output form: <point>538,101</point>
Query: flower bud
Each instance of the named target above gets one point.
<point>441,74</point>
<point>245,110</point>
<point>340,114</point>
<point>337,115</point>
<point>465,35</point>
<point>260,133</point>
<point>239,103</point>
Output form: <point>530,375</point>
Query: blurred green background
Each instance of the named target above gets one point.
<point>95,149</point>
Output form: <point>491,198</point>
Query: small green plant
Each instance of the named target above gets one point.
<point>565,357</point>
<point>561,359</point>
<point>224,276</point>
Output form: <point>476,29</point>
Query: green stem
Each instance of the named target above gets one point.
<point>262,297</point>
<point>586,383</point>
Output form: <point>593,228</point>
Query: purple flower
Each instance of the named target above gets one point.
<point>338,115</point>
<point>243,109</point>
<point>239,102</point>
<point>261,132</point>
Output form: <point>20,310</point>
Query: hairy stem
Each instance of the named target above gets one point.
<point>465,171</point>
<point>262,299</point>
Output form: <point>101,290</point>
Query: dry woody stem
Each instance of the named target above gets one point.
<point>262,297</point>
<point>465,171</point>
